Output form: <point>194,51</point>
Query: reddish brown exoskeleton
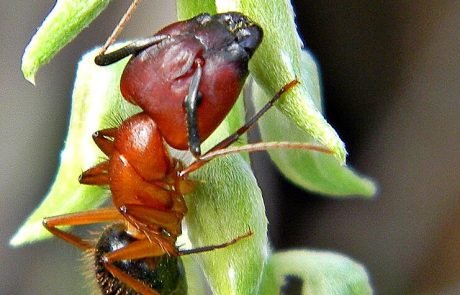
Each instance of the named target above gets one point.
<point>200,62</point>
<point>185,78</point>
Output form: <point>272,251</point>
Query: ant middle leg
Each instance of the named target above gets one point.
<point>225,143</point>
<point>249,124</point>
<point>138,249</point>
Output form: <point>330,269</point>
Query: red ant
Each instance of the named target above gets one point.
<point>185,78</point>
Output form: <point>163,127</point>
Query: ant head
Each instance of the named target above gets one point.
<point>158,78</point>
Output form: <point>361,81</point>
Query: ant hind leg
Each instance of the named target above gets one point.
<point>79,218</point>
<point>214,247</point>
<point>135,250</point>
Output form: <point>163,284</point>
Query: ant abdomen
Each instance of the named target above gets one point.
<point>164,274</point>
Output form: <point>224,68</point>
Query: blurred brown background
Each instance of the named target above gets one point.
<point>391,85</point>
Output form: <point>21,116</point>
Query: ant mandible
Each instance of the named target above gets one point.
<point>185,79</point>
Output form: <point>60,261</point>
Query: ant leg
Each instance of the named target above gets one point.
<point>79,218</point>
<point>214,247</point>
<point>121,24</point>
<point>139,249</point>
<point>97,175</point>
<point>243,129</point>
<point>135,250</point>
<point>144,248</point>
<point>191,104</point>
<point>142,216</point>
<point>105,59</point>
<point>138,286</point>
<point>255,147</point>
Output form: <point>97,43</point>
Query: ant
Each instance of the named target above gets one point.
<point>185,79</point>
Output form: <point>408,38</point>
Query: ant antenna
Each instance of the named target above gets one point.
<point>121,25</point>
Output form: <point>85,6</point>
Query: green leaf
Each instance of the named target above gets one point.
<point>278,61</point>
<point>228,204</point>
<point>187,9</point>
<point>196,282</point>
<point>95,100</point>
<point>320,273</point>
<point>65,21</point>
<point>313,171</point>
